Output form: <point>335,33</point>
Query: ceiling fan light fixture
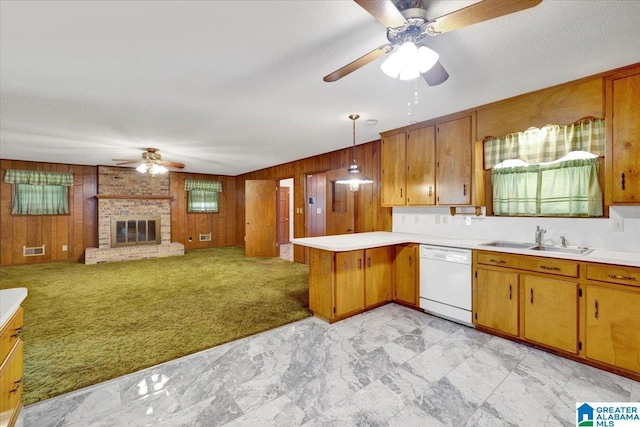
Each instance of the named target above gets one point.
<point>408,62</point>
<point>152,168</point>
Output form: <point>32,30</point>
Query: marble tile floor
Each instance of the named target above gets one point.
<point>391,366</point>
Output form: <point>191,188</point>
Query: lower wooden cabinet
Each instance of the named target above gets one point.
<point>496,295</point>
<point>612,322</point>
<point>550,312</point>
<point>11,362</point>
<point>582,310</point>
<point>406,280</point>
<point>342,284</point>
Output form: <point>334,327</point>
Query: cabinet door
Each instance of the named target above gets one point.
<point>454,162</point>
<point>406,274</point>
<point>613,326</point>
<point>421,161</point>
<point>378,275</point>
<point>550,312</point>
<point>349,283</point>
<point>11,384</point>
<point>497,300</point>
<point>626,134</point>
<point>393,160</point>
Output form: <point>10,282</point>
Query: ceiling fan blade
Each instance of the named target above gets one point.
<point>171,164</point>
<point>436,75</point>
<point>479,12</point>
<point>383,11</point>
<point>126,162</point>
<point>362,61</point>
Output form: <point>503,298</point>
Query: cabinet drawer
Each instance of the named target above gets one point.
<point>614,274</point>
<point>10,332</point>
<point>537,264</point>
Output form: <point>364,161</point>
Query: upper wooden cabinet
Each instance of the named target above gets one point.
<point>454,149</point>
<point>625,136</point>
<point>408,168</point>
<point>428,165</point>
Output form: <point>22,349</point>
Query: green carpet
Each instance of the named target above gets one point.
<point>88,323</point>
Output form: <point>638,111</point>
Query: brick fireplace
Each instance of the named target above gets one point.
<point>125,195</point>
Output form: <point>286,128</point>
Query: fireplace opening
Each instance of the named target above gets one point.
<point>135,230</point>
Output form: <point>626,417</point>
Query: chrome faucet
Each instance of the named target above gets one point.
<point>539,233</point>
<point>563,241</point>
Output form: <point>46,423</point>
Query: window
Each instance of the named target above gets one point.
<point>202,195</point>
<point>551,171</point>
<point>38,192</point>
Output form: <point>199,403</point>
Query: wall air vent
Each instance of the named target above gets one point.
<point>34,251</point>
<point>205,237</point>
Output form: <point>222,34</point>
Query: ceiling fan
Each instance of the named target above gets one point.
<point>151,162</point>
<point>406,21</point>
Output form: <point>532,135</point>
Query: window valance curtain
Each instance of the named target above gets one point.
<point>13,176</point>
<point>547,143</point>
<point>563,188</point>
<point>203,195</point>
<point>193,184</point>
<point>39,192</point>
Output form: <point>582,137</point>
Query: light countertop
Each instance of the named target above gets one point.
<point>350,242</point>
<point>10,300</point>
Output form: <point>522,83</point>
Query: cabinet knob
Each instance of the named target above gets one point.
<point>464,189</point>
<point>510,292</point>
<point>359,263</point>
<point>531,296</point>
<point>595,311</point>
<point>369,261</point>
<point>616,276</point>
<point>622,183</point>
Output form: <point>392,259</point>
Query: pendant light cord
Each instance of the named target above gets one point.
<point>353,118</point>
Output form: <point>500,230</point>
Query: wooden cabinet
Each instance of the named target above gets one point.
<point>454,149</point>
<point>496,297</point>
<point>377,276</point>
<point>408,168</point>
<point>406,287</point>
<point>529,297</point>
<point>342,284</point>
<point>11,353</point>
<point>349,282</point>
<point>428,165</point>
<point>612,323</point>
<point>393,164</point>
<point>550,312</point>
<point>625,132</point>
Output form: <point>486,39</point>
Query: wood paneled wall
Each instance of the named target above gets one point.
<point>77,230</point>
<point>369,215</point>
<point>185,226</point>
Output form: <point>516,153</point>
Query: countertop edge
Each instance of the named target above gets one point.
<point>10,300</point>
<point>356,241</point>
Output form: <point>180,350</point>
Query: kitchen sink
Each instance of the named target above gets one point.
<point>541,248</point>
<point>561,250</point>
<point>512,245</point>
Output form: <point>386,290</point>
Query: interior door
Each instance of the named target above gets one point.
<point>340,205</point>
<point>260,218</point>
<point>283,215</point>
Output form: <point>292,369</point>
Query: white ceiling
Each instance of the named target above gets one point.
<point>229,87</point>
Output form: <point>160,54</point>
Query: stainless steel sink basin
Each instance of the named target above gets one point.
<point>513,245</point>
<point>541,248</point>
<point>561,250</point>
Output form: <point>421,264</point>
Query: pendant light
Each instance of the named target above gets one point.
<point>354,177</point>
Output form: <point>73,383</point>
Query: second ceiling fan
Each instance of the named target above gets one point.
<point>407,25</point>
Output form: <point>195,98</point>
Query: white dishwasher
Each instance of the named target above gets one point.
<point>445,282</point>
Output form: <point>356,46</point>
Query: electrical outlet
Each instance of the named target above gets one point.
<point>618,224</point>
<point>443,219</point>
<point>468,220</point>
<point>64,248</point>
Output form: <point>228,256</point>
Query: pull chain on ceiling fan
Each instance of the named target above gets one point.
<point>407,25</point>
